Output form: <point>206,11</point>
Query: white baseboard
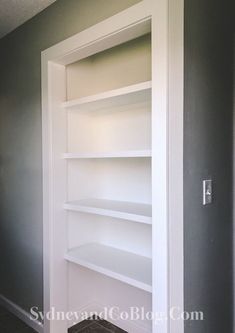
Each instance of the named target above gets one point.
<point>128,325</point>
<point>21,314</point>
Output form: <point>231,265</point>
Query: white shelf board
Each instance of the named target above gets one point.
<point>131,211</point>
<point>121,265</point>
<point>115,154</point>
<point>133,94</point>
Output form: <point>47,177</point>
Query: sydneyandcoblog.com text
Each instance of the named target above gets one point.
<point>115,314</point>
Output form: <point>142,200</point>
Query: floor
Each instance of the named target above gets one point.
<point>95,326</point>
<point>11,324</point>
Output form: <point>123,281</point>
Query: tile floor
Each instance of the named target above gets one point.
<point>11,324</point>
<point>95,326</point>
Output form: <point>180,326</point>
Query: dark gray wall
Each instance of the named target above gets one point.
<point>208,154</point>
<point>20,139</point>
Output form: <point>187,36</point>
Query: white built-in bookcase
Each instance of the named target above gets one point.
<point>106,142</point>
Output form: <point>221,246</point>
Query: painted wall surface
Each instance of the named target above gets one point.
<point>20,139</point>
<point>208,155</point>
<point>208,152</point>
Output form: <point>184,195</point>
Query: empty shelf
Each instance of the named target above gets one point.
<point>131,211</point>
<point>116,154</point>
<point>121,265</point>
<point>136,93</point>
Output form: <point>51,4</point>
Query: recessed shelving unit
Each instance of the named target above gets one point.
<point>108,161</point>
<point>113,180</point>
<point>116,154</point>
<point>111,222</point>
<point>133,94</point>
<point>115,263</point>
<point>136,212</point>
<point>112,187</point>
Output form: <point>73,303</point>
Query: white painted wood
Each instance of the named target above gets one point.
<point>176,120</point>
<point>123,234</point>
<point>118,264</point>
<point>136,93</point>
<point>47,202</point>
<point>118,154</point>
<point>137,212</point>
<point>124,179</point>
<point>124,26</point>
<point>21,314</point>
<point>110,130</point>
<point>54,194</point>
<point>121,66</point>
<point>161,17</point>
<point>160,165</point>
<point>99,288</point>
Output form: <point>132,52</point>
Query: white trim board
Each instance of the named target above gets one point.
<point>176,130</point>
<point>131,211</point>
<point>116,154</point>
<point>115,263</point>
<point>124,26</point>
<point>21,314</point>
<point>135,93</point>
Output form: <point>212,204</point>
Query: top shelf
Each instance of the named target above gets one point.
<point>133,94</point>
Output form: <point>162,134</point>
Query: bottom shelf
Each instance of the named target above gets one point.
<point>124,266</point>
